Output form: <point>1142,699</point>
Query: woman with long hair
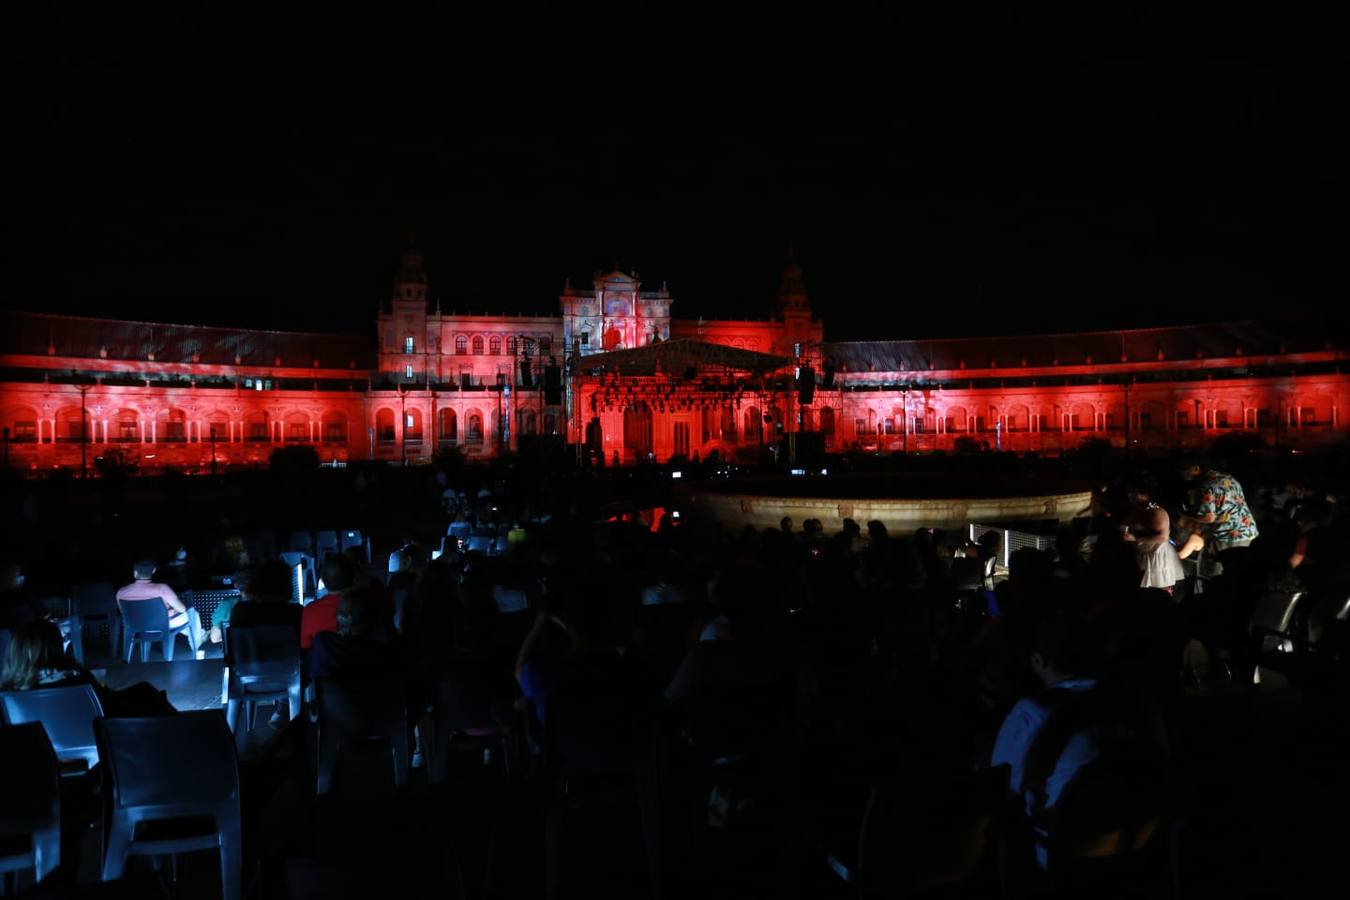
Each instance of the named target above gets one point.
<point>37,658</point>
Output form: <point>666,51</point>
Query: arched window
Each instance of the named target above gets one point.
<point>550,423</point>
<point>753,425</point>
<point>22,422</point>
<point>511,346</point>
<point>729,424</point>
<point>637,429</point>
<point>448,426</point>
<point>334,428</point>
<point>258,427</point>
<point>1152,416</point>
<point>1115,417</point>
<point>526,422</point>
<point>477,345</point>
<point>956,419</point>
<point>171,425</point>
<point>827,420</point>
<point>461,345</point>
<point>384,426</point>
<point>475,426</point>
<point>296,428</point>
<point>412,425</point>
<point>1016,417</point>
<point>1082,417</point>
<point>69,427</point>
<point>126,426</point>
<point>495,346</point>
<point>218,427</point>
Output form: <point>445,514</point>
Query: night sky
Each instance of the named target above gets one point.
<point>940,173</point>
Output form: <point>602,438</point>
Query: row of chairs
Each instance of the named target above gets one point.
<point>139,799</point>
<point>322,544</point>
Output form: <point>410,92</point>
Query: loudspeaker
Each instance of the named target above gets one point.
<point>806,386</point>
<point>526,376</point>
<point>552,384</point>
<point>828,381</point>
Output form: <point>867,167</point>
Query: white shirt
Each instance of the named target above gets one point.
<point>1018,734</point>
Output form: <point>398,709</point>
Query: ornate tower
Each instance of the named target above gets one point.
<point>792,307</point>
<point>403,330</point>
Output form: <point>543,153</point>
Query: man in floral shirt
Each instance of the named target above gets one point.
<point>1222,508</point>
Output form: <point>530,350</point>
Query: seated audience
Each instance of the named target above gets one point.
<point>741,647</point>
<point>1040,738</point>
<point>264,599</point>
<point>590,660</point>
<point>339,574</point>
<point>665,590</point>
<point>36,660</point>
<point>145,588</point>
<point>356,646</point>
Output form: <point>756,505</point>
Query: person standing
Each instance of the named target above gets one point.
<point>1149,528</point>
<point>1221,509</point>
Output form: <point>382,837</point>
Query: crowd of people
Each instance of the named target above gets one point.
<point>820,661</point>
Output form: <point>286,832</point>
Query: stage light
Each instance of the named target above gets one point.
<point>676,474</point>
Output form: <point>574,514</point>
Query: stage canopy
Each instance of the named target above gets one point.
<point>679,356</point>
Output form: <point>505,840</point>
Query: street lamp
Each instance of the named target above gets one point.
<point>84,433</point>
<point>403,424</point>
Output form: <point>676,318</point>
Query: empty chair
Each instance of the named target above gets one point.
<point>501,545</point>
<point>307,580</point>
<point>352,538</point>
<point>360,712</point>
<point>67,714</point>
<point>459,529</point>
<point>326,543</point>
<point>478,543</point>
<point>30,813</point>
<point>146,622</point>
<point>153,806</point>
<point>920,834</point>
<point>509,599</point>
<point>262,664</point>
<point>301,542</point>
<point>95,602</point>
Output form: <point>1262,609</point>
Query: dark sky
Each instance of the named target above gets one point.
<point>940,173</point>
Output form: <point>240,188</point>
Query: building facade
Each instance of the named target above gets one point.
<point>617,376</point>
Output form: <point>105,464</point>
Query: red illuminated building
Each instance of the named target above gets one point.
<point>615,372</point>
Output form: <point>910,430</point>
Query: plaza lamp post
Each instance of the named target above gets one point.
<point>84,432</point>
<point>403,424</point>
